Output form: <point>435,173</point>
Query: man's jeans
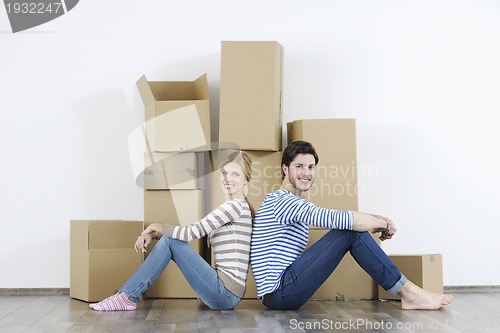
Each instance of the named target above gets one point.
<point>306,274</point>
<point>200,275</point>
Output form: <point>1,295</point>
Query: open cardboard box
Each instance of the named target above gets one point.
<point>177,114</point>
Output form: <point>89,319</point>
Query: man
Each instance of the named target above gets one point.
<point>286,275</point>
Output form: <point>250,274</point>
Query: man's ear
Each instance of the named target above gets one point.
<point>284,169</point>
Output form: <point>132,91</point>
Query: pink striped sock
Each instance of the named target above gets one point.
<point>117,302</point>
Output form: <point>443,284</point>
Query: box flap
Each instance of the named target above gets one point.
<point>79,236</point>
<point>145,91</point>
<point>152,91</point>
<point>201,87</point>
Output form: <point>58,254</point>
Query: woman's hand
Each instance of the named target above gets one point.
<point>142,243</point>
<point>152,231</point>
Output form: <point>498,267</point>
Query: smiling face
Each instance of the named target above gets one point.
<point>232,181</point>
<point>300,175</point>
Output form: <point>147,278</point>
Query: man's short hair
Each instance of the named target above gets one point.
<point>295,148</point>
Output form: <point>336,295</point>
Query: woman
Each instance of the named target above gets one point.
<point>229,228</point>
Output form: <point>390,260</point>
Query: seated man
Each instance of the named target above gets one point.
<point>286,275</point>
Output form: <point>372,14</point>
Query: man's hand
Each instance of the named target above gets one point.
<point>142,243</point>
<point>389,231</point>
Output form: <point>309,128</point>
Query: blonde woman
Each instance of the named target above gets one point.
<point>229,227</point>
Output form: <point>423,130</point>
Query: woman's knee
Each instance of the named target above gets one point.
<point>163,244</point>
<point>166,240</point>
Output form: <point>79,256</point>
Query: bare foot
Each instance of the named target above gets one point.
<point>416,298</point>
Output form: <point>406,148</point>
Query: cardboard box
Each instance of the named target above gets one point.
<point>102,257</point>
<point>177,114</point>
<point>336,184</point>
<point>424,270</point>
<point>176,207</point>
<point>174,171</point>
<point>172,283</point>
<point>348,280</point>
<point>335,187</point>
<point>266,177</point>
<point>251,292</point>
<point>251,94</point>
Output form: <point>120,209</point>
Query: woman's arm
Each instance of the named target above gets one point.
<point>154,230</point>
<point>144,239</point>
<point>225,213</point>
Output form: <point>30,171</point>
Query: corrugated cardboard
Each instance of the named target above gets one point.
<point>251,94</point>
<point>175,207</point>
<point>174,171</point>
<point>177,114</point>
<point>424,270</point>
<point>348,280</point>
<point>336,184</point>
<point>266,176</point>
<point>102,257</point>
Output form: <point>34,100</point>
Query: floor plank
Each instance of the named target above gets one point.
<point>469,313</point>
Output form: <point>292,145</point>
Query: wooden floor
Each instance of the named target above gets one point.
<point>470,312</point>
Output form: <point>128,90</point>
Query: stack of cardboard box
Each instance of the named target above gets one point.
<point>250,119</point>
<point>177,118</point>
<point>182,173</point>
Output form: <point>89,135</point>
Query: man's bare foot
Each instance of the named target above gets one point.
<point>416,298</point>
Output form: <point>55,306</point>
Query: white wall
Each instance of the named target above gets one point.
<point>420,77</point>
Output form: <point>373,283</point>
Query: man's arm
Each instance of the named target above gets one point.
<point>374,223</point>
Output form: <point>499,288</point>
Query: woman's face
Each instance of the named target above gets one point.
<point>233,180</point>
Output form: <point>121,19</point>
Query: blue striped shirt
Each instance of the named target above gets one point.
<point>280,234</point>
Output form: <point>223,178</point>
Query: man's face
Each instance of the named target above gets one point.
<point>301,172</point>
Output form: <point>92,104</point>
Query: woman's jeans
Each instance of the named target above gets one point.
<point>306,274</point>
<point>200,275</point>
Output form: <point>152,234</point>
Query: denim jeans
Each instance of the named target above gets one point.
<point>306,274</point>
<point>199,274</point>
